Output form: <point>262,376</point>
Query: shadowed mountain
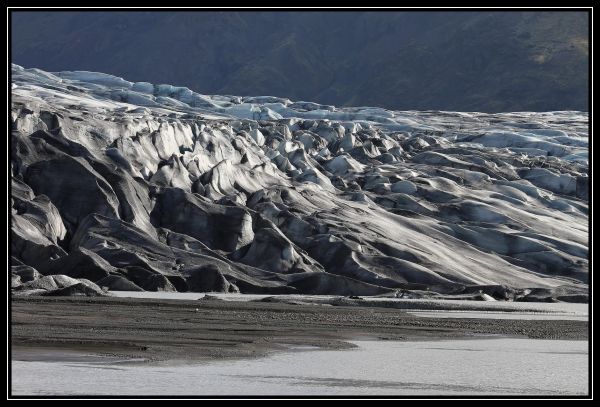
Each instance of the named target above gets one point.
<point>461,61</point>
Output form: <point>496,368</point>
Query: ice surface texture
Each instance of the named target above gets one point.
<point>156,187</point>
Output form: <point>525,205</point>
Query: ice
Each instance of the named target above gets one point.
<point>344,163</point>
<point>95,77</point>
<point>404,187</point>
<point>397,182</point>
<point>525,140</point>
<point>518,136</point>
<point>143,87</point>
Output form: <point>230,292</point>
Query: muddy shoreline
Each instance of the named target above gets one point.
<point>160,329</point>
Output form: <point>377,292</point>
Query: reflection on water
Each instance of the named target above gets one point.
<point>475,366</point>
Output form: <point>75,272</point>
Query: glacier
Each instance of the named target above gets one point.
<point>136,186</point>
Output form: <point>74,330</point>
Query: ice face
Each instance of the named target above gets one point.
<point>269,195</point>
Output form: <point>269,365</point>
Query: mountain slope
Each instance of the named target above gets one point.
<point>462,61</point>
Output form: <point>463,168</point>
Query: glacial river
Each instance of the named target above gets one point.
<point>478,366</point>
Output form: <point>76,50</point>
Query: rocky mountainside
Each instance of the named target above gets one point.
<point>462,61</point>
<point>135,186</point>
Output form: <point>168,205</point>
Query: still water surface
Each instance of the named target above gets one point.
<point>496,366</point>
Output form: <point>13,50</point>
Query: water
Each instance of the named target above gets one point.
<point>499,366</point>
<point>502,315</point>
<point>185,296</point>
<point>423,308</point>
